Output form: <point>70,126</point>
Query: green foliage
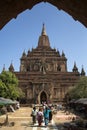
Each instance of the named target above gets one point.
<point>8,78</point>
<point>79,90</point>
<point>3,89</point>
<point>9,85</point>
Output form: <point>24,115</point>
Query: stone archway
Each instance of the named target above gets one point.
<point>43,97</point>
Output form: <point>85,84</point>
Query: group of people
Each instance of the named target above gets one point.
<point>43,114</point>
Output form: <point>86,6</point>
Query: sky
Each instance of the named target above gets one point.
<point>65,34</point>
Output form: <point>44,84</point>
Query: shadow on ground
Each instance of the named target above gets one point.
<point>51,127</point>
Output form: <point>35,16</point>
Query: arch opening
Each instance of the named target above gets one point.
<point>43,97</point>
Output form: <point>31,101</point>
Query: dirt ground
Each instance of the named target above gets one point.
<point>21,119</point>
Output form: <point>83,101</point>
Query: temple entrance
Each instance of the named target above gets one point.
<point>43,97</point>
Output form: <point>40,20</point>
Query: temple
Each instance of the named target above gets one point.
<point>43,74</point>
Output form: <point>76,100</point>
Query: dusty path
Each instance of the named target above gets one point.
<point>23,121</point>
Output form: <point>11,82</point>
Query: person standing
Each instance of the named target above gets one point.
<point>40,116</point>
<point>50,114</point>
<point>46,115</point>
<point>34,115</point>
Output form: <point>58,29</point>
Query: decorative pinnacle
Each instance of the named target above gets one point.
<point>43,30</point>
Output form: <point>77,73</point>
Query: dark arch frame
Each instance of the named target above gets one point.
<point>10,9</point>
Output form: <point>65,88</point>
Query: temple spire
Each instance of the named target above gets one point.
<point>43,39</point>
<point>3,67</point>
<point>75,69</point>
<point>82,71</point>
<point>11,67</point>
<point>43,30</point>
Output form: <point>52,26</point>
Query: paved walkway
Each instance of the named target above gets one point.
<point>22,121</point>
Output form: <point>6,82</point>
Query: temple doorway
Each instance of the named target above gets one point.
<point>43,97</point>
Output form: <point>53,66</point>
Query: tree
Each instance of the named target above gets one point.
<point>9,85</point>
<point>3,89</point>
<point>79,90</point>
